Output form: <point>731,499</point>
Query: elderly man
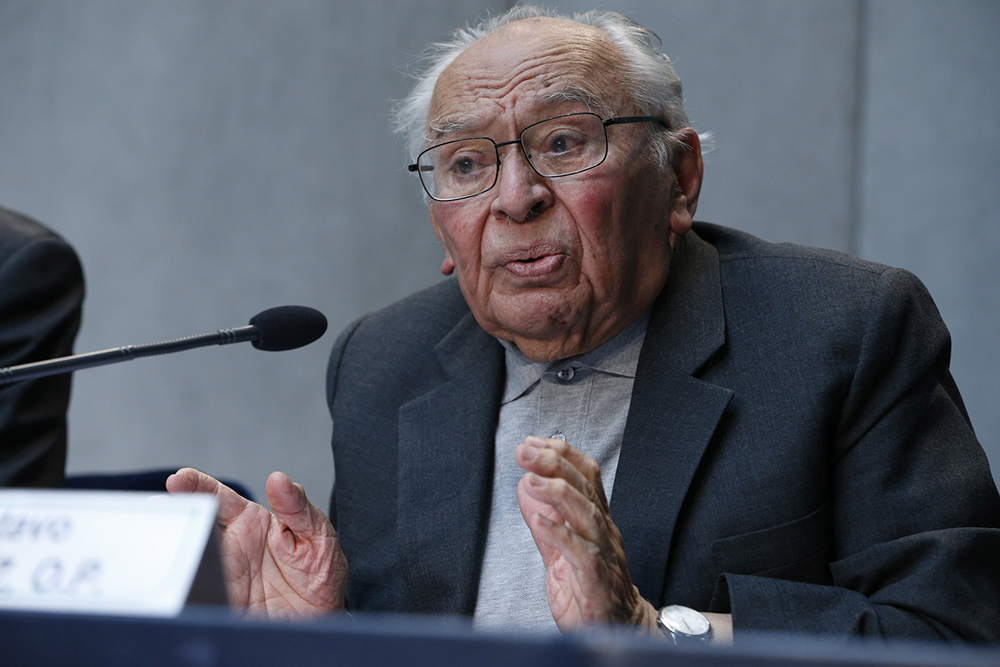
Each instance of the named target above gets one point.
<point>611,418</point>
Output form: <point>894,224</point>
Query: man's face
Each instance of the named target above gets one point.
<point>556,265</point>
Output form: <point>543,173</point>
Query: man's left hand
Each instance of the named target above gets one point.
<point>563,502</point>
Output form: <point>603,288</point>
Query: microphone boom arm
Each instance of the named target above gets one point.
<point>41,369</point>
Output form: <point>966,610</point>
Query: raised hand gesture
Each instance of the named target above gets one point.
<point>285,564</point>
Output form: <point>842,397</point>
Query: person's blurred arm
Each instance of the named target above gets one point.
<point>41,293</point>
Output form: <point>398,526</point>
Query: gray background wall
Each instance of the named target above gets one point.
<point>211,159</point>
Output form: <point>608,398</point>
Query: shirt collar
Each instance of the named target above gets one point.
<point>617,356</point>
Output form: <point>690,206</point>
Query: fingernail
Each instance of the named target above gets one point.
<point>535,480</point>
<point>534,441</point>
<point>529,453</point>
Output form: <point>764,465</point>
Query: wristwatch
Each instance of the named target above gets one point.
<point>683,625</point>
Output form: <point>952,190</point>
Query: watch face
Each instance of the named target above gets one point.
<point>684,621</point>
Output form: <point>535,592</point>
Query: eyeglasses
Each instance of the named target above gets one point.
<point>554,147</point>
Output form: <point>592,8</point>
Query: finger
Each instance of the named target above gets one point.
<point>288,500</point>
<point>556,458</point>
<point>580,553</point>
<point>184,480</point>
<point>534,456</point>
<point>529,505</point>
<point>189,480</point>
<point>587,466</point>
<point>582,514</point>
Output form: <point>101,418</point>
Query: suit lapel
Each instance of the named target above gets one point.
<point>446,470</point>
<point>672,415</point>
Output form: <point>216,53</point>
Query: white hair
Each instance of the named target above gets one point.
<point>649,77</point>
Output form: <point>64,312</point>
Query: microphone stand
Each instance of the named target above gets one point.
<point>40,369</point>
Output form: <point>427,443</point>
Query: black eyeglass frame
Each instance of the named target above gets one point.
<point>621,120</point>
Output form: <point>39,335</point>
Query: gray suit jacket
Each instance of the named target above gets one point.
<point>796,452</point>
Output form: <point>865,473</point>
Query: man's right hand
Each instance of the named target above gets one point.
<point>282,565</point>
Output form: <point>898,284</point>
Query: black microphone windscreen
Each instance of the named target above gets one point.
<point>287,327</point>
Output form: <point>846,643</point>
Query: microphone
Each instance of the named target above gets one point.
<point>274,330</point>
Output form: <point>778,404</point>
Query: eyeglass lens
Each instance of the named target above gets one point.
<point>555,147</point>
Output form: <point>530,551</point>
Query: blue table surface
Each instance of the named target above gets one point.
<point>214,636</point>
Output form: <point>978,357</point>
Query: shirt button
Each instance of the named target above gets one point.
<point>566,373</point>
<point>557,436</point>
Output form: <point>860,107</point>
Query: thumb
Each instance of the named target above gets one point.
<point>288,500</point>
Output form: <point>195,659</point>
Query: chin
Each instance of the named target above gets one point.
<point>549,350</point>
<point>541,339</point>
<point>537,314</point>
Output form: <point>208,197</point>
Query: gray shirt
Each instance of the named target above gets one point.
<point>583,400</point>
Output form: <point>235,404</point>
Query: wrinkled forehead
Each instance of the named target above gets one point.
<point>525,69</point>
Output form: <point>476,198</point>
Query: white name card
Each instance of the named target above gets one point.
<point>105,552</point>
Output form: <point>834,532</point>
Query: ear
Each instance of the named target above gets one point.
<point>688,169</point>
<point>448,264</point>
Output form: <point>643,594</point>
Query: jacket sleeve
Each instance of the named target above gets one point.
<point>41,293</point>
<point>915,511</point>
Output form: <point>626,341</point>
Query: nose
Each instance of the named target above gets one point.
<point>521,194</point>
